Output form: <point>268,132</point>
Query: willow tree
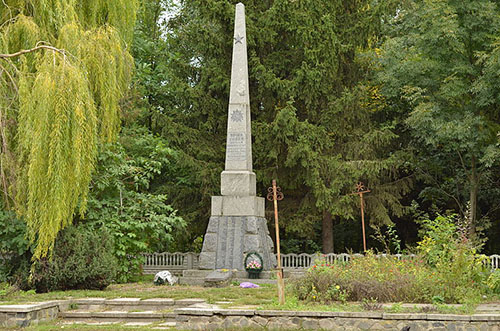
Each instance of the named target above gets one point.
<point>64,66</point>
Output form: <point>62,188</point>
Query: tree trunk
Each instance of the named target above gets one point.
<point>327,232</point>
<point>474,188</point>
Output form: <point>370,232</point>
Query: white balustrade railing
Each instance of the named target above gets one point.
<point>178,261</point>
<point>494,261</point>
<point>189,261</point>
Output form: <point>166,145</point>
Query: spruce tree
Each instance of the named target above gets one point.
<point>318,123</point>
<point>64,66</point>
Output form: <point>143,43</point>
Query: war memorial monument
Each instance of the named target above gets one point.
<point>237,224</point>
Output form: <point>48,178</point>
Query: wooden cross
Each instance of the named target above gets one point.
<point>360,189</point>
<point>275,195</point>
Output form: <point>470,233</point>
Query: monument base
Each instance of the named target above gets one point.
<point>230,238</point>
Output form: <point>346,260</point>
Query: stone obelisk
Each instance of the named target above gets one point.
<point>237,225</point>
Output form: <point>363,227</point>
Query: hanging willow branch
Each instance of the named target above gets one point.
<point>24,51</point>
<point>65,103</point>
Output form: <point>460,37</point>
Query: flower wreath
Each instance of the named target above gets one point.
<point>253,261</point>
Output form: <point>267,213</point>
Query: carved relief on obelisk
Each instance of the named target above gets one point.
<point>237,225</point>
<point>238,178</point>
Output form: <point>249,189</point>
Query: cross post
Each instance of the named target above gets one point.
<point>275,195</point>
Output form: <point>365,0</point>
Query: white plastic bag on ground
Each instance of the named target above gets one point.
<point>164,277</point>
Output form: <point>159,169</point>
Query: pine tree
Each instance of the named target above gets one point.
<point>64,66</point>
<point>318,123</point>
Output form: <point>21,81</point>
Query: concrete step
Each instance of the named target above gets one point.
<point>197,277</point>
<point>243,274</point>
<point>255,281</point>
<point>154,270</point>
<point>130,304</point>
<point>117,316</point>
<point>140,324</point>
<point>196,273</point>
<point>193,281</point>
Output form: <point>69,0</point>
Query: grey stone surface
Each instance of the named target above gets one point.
<point>251,242</point>
<point>227,248</point>
<point>448,317</point>
<point>252,225</point>
<point>194,311</point>
<point>239,144</point>
<point>239,312</point>
<point>188,302</point>
<point>207,260</point>
<point>218,278</point>
<point>159,302</point>
<point>485,317</point>
<point>316,320</point>
<point>123,301</point>
<point>238,183</point>
<point>229,238</point>
<point>210,242</point>
<point>213,224</point>
<point>238,206</point>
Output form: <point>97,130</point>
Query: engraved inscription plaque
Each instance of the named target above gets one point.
<point>236,146</point>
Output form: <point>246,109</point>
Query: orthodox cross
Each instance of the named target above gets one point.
<point>360,190</point>
<point>274,194</point>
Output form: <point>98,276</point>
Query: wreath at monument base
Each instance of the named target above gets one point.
<point>253,264</point>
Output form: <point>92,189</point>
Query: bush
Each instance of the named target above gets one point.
<point>459,272</point>
<point>15,251</point>
<point>447,269</point>
<point>493,282</point>
<point>368,277</point>
<point>82,259</point>
<point>121,200</point>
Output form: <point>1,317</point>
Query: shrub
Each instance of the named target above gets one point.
<point>459,271</point>
<point>446,269</point>
<point>121,200</point>
<point>15,251</point>
<point>368,277</point>
<point>493,282</point>
<point>82,259</point>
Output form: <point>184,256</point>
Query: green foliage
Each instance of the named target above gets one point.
<point>123,201</point>
<point>59,103</point>
<point>389,239</point>
<point>436,71</point>
<point>14,247</point>
<point>460,271</point>
<point>317,120</point>
<point>57,135</point>
<point>440,239</point>
<point>82,259</point>
<point>493,282</point>
<point>457,276</point>
<point>366,278</point>
<point>12,235</point>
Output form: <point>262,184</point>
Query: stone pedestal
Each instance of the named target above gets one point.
<point>230,238</point>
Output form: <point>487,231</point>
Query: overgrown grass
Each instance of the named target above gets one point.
<point>388,280</point>
<point>447,269</point>
<point>264,297</point>
<point>145,289</point>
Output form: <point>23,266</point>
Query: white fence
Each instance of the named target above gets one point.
<point>184,261</point>
<point>155,262</point>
